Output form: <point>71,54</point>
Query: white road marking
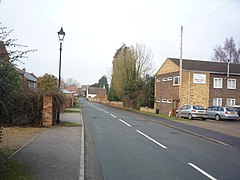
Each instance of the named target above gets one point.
<point>164,147</point>
<point>113,116</point>
<point>106,112</point>
<point>125,122</point>
<point>201,171</point>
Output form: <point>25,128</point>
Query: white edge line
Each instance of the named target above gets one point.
<point>81,171</point>
<point>164,147</point>
<point>125,122</point>
<point>202,171</point>
<point>113,115</point>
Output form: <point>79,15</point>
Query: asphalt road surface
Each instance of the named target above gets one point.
<point>125,145</point>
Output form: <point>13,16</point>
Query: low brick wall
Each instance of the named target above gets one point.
<point>115,103</point>
<point>148,110</point>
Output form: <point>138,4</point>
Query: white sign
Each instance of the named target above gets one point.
<point>199,78</point>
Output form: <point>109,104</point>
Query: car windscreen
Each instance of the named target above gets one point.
<point>231,109</point>
<point>198,107</point>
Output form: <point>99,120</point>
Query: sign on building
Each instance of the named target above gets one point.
<point>199,78</point>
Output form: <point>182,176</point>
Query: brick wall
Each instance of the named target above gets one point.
<point>47,111</point>
<point>193,93</point>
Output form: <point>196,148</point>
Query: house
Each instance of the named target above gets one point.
<point>204,83</point>
<point>96,92</point>
<point>70,99</point>
<point>29,79</point>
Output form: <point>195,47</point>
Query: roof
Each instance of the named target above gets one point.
<point>210,66</point>
<point>27,75</point>
<point>65,91</point>
<point>96,90</point>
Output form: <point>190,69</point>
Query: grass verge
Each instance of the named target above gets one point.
<point>71,111</point>
<point>68,124</point>
<point>14,170</point>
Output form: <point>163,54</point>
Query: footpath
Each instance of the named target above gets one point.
<point>56,153</point>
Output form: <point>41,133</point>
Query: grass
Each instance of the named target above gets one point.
<point>14,170</point>
<point>71,111</point>
<point>68,124</point>
<point>77,106</point>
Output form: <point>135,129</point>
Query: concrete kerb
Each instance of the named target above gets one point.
<point>82,155</point>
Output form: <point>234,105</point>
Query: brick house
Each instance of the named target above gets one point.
<point>204,83</point>
<point>28,79</point>
<point>96,93</point>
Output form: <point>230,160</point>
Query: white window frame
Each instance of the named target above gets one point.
<point>169,101</point>
<point>164,79</point>
<point>231,102</point>
<point>169,78</point>
<point>178,79</point>
<point>164,100</point>
<point>217,101</point>
<point>231,83</point>
<point>216,84</point>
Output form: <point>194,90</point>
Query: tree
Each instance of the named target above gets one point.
<point>71,81</point>
<point>47,82</point>
<point>229,52</point>
<point>102,82</point>
<point>130,66</point>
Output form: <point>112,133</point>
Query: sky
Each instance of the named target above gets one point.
<point>95,29</point>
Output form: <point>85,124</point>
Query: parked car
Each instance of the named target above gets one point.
<point>237,107</point>
<point>221,112</point>
<point>193,111</point>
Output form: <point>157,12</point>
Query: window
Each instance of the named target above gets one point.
<point>217,101</point>
<point>158,100</point>
<point>231,83</point>
<point>217,82</point>
<point>169,78</point>
<point>164,100</point>
<point>230,102</point>
<point>164,79</point>
<point>169,101</point>
<point>176,80</point>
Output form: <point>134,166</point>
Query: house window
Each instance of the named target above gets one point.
<point>158,80</point>
<point>158,100</point>
<point>164,79</point>
<point>176,80</point>
<point>217,82</point>
<point>169,101</point>
<point>164,100</point>
<point>231,83</point>
<point>230,102</point>
<point>169,78</point>
<point>217,101</point>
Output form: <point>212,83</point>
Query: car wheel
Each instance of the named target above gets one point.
<point>203,119</point>
<point>190,116</point>
<point>217,117</point>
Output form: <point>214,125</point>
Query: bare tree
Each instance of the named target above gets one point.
<point>229,52</point>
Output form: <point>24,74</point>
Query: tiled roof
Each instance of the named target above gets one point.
<point>28,76</point>
<point>210,66</point>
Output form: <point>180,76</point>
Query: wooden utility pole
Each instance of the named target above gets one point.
<point>180,74</point>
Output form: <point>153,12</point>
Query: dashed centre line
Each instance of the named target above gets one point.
<point>113,115</point>
<point>164,147</point>
<point>202,171</point>
<point>125,123</point>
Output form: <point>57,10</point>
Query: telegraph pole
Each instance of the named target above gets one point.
<point>180,74</point>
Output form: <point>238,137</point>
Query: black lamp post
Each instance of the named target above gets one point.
<point>61,35</point>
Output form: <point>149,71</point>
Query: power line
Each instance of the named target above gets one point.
<point>212,12</point>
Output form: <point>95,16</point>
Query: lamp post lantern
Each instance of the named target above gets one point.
<point>61,35</point>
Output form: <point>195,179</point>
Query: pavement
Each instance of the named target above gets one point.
<point>58,153</point>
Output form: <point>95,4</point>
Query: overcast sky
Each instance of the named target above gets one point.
<point>95,29</point>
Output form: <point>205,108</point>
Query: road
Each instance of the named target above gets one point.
<point>125,145</point>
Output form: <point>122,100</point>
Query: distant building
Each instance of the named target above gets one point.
<point>96,92</point>
<point>29,79</point>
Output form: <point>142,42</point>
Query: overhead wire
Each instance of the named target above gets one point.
<point>212,12</point>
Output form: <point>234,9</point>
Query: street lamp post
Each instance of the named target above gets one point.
<point>61,35</point>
